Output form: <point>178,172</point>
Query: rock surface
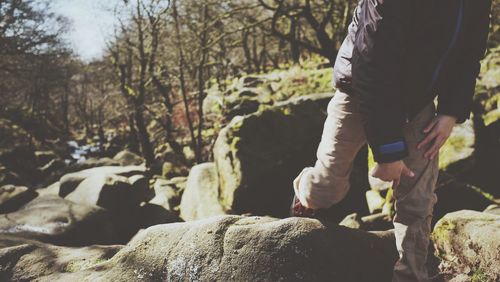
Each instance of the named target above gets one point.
<point>70,181</point>
<point>454,195</point>
<point>200,198</point>
<point>468,242</point>
<point>28,260</point>
<point>13,197</point>
<point>259,155</point>
<point>55,220</point>
<point>236,248</point>
<point>92,163</point>
<point>168,193</point>
<point>127,158</point>
<point>108,191</point>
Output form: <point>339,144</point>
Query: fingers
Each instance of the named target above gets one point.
<point>427,139</point>
<point>407,172</point>
<point>432,152</point>
<point>431,125</point>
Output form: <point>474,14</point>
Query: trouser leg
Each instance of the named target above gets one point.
<point>414,201</point>
<point>343,135</point>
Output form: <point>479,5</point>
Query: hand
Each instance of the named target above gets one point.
<point>392,172</point>
<point>437,132</point>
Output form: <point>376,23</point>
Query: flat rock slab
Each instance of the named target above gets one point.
<point>55,220</point>
<point>28,260</point>
<point>13,197</point>
<point>70,181</point>
<point>237,248</point>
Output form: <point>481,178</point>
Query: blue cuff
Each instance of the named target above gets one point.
<point>392,148</point>
<point>390,152</point>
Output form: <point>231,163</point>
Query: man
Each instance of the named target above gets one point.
<point>397,57</point>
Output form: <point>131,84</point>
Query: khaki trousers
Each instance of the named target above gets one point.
<point>327,183</point>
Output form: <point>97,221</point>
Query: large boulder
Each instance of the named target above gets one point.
<point>168,193</point>
<point>236,248</point>
<point>259,155</point>
<point>92,163</point>
<point>55,220</point>
<point>13,197</point>
<point>44,157</point>
<point>70,181</point>
<point>468,243</point>
<point>110,191</point>
<point>29,260</point>
<point>52,189</point>
<point>127,158</point>
<point>200,198</point>
<point>454,195</point>
<point>151,214</point>
<point>9,177</point>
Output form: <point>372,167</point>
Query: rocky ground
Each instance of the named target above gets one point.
<point>113,219</point>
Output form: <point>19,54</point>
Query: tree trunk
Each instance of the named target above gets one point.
<point>146,147</point>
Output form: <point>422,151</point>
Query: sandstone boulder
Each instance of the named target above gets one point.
<point>44,157</point>
<point>70,181</point>
<point>127,158</point>
<point>8,177</point>
<point>168,193</point>
<point>454,195</point>
<point>109,191</point>
<point>150,214</point>
<point>200,198</point>
<point>52,189</point>
<point>468,243</point>
<point>13,197</point>
<point>92,163</point>
<point>29,260</point>
<point>236,248</point>
<point>259,155</point>
<point>55,220</point>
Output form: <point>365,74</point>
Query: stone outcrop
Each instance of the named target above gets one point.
<point>70,181</point>
<point>200,198</point>
<point>13,197</point>
<point>29,260</point>
<point>110,191</point>
<point>259,155</point>
<point>454,195</point>
<point>236,248</point>
<point>55,220</point>
<point>168,193</point>
<point>127,158</point>
<point>468,243</point>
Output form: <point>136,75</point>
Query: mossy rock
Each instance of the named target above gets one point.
<point>243,95</point>
<point>454,195</point>
<point>468,244</point>
<point>238,248</point>
<point>200,198</point>
<point>29,260</point>
<point>259,155</point>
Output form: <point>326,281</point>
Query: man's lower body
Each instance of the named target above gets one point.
<point>327,183</point>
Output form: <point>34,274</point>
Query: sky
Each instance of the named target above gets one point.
<point>91,23</point>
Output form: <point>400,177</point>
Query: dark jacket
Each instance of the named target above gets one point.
<point>399,54</point>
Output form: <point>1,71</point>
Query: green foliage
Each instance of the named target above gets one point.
<point>480,276</point>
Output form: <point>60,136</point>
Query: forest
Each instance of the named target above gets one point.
<point>151,84</point>
<point>202,108</point>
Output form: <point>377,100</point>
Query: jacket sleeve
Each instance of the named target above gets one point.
<point>456,95</point>
<point>376,75</point>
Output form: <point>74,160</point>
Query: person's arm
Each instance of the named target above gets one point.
<point>456,94</point>
<point>377,75</point>
<point>459,80</point>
